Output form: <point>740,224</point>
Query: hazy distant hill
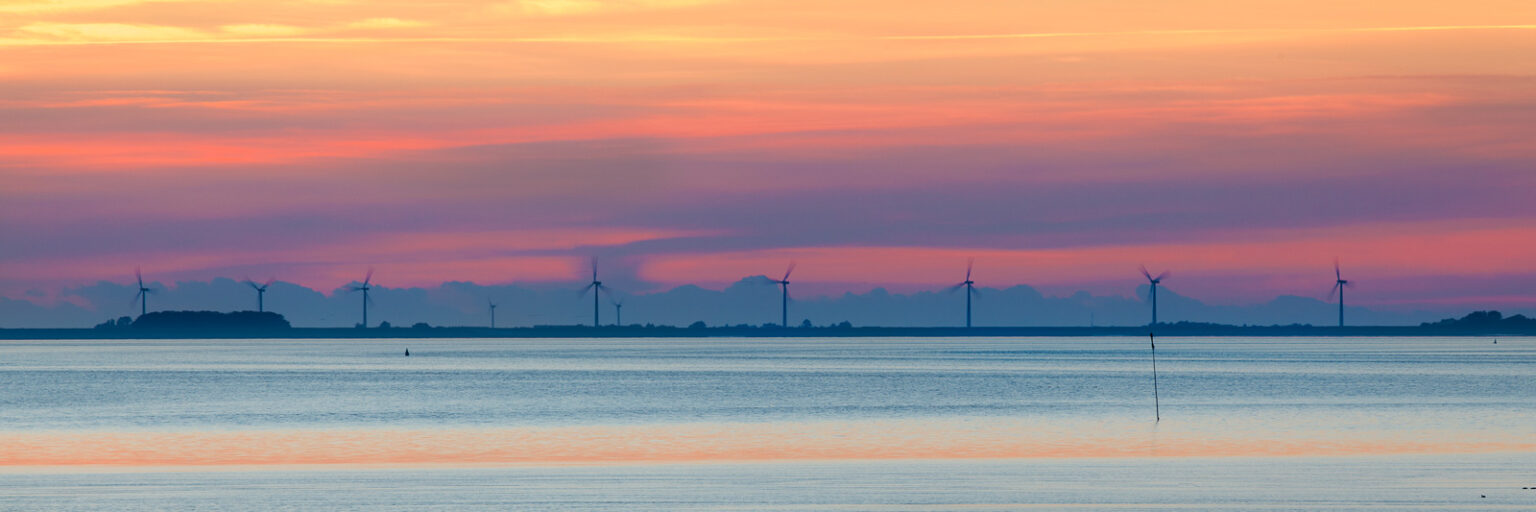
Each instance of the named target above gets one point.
<point>745,302</point>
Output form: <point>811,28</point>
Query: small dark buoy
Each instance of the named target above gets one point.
<point>1483,495</point>
<point>407,352</point>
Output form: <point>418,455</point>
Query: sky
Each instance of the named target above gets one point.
<point>1241,145</point>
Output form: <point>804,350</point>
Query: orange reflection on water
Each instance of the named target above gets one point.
<point>667,443</point>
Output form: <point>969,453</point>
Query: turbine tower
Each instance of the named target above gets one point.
<point>618,312</point>
<point>1155,281</point>
<point>493,312</point>
<point>970,289</point>
<point>597,288</point>
<point>367,280</point>
<point>784,283</point>
<point>142,297</point>
<point>1339,283</point>
<point>261,292</point>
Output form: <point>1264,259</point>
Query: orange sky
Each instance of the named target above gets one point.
<point>1064,142</point>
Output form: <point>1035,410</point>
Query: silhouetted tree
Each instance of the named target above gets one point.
<point>115,324</point>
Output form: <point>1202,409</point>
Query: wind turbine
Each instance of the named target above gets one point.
<point>618,312</point>
<point>784,283</point>
<point>1155,281</point>
<point>1339,283</point>
<point>142,297</point>
<point>364,288</point>
<point>597,288</point>
<point>970,289</point>
<point>261,292</point>
<point>493,312</point>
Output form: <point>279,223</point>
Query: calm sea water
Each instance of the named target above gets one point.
<point>762,424</point>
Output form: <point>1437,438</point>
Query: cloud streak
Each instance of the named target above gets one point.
<point>50,34</point>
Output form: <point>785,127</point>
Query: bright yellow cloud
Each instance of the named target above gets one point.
<point>385,23</point>
<point>53,6</point>
<point>90,32</point>
<point>575,7</point>
<point>262,30</point>
<point>50,33</point>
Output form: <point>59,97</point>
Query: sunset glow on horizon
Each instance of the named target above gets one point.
<point>675,443</point>
<point>1061,144</point>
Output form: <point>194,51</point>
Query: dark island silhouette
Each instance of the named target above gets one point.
<point>236,321</point>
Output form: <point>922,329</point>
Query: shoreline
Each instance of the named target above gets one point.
<point>1195,330</point>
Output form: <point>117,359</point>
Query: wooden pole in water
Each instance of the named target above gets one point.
<point>1157,407</point>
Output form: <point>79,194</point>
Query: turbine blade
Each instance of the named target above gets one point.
<point>788,271</point>
<point>1336,273</point>
<point>268,283</point>
<point>369,277</point>
<point>585,289</point>
<point>252,285</point>
<point>1145,273</point>
<point>594,268</point>
<point>1333,291</point>
<point>969,263</point>
<point>956,288</point>
<point>1164,275</point>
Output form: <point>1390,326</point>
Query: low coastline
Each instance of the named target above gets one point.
<point>1186,330</point>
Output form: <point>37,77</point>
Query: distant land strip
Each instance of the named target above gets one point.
<point>755,332</point>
